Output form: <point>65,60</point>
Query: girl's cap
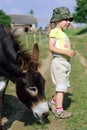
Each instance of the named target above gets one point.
<point>60,14</point>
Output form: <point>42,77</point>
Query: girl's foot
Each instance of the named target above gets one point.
<point>63,114</point>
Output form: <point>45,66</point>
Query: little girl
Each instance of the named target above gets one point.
<point>59,45</point>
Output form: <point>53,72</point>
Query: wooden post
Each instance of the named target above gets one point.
<point>35,38</point>
<point>26,36</point>
<point>39,37</point>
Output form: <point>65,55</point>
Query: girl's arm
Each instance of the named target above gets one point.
<point>53,49</point>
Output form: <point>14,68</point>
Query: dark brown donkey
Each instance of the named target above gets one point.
<point>21,67</point>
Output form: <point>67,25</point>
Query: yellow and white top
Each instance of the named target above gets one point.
<point>62,41</point>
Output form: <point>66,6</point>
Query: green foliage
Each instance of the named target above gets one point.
<point>5,19</point>
<point>81,11</point>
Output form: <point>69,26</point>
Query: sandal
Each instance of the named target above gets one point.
<point>63,114</point>
<point>52,107</point>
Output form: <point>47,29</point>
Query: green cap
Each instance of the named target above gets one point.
<point>60,14</point>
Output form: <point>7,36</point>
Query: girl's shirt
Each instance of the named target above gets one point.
<point>62,41</point>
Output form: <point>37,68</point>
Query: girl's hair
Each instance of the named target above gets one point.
<point>50,26</point>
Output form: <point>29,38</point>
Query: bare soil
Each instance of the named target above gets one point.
<point>17,117</point>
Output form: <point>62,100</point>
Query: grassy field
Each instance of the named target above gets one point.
<point>78,82</point>
<point>42,41</point>
<point>76,98</point>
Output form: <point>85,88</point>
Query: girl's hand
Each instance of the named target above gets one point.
<point>71,53</point>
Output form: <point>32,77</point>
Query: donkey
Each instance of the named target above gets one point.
<point>21,67</point>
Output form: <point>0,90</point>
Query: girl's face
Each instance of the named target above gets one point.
<point>64,24</point>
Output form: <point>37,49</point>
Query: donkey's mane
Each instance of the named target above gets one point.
<point>21,47</point>
<point>18,46</point>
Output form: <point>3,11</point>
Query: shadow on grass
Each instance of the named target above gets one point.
<point>14,110</point>
<point>82,31</point>
<point>67,100</point>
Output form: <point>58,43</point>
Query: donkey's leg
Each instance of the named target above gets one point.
<point>1,112</point>
<point>3,85</point>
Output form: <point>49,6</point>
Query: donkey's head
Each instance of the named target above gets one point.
<point>30,86</point>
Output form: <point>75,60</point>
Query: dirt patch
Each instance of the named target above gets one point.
<point>82,60</point>
<point>46,64</point>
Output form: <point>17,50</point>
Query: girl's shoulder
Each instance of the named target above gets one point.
<point>52,33</point>
<point>56,30</point>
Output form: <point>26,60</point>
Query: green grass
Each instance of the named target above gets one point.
<point>78,85</point>
<point>42,41</point>
<point>78,98</point>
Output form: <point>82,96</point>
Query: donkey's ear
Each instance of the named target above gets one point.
<point>20,62</point>
<point>35,52</point>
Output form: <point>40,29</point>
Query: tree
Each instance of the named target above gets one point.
<point>4,19</point>
<point>81,11</point>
